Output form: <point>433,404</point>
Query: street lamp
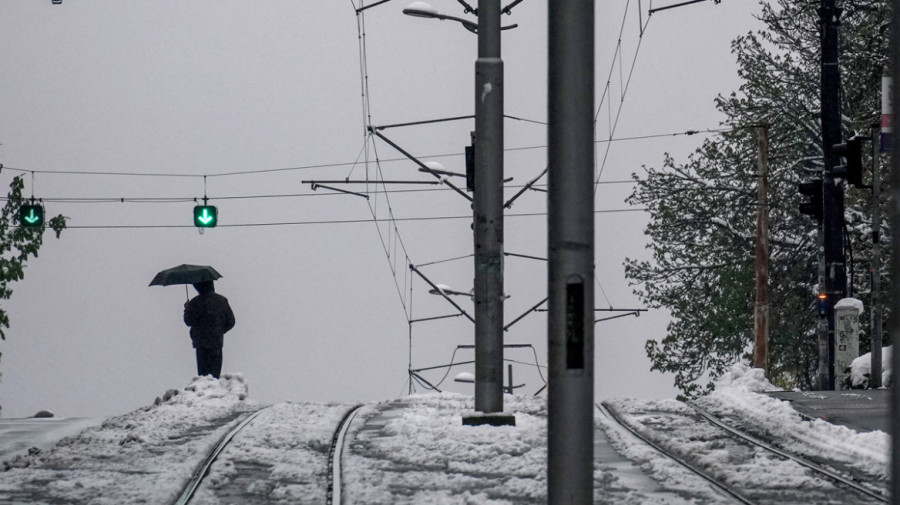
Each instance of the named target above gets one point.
<point>445,290</point>
<point>425,10</point>
<point>487,205</point>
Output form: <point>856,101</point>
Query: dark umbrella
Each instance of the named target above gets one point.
<point>185,274</point>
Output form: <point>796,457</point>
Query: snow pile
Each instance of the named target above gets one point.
<point>142,456</point>
<point>208,392</point>
<point>774,419</point>
<point>746,379</point>
<point>861,369</point>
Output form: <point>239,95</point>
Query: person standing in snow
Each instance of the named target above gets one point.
<point>210,317</point>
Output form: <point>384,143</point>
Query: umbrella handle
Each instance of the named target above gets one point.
<point>186,295</point>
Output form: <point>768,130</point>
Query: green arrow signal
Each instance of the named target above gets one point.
<point>205,216</point>
<point>31,218</point>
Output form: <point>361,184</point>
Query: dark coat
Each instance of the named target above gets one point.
<point>209,317</point>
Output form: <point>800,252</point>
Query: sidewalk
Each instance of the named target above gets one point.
<point>861,410</point>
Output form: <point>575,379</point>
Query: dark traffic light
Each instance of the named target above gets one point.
<point>812,207</point>
<point>31,216</point>
<point>852,152</point>
<point>470,168</point>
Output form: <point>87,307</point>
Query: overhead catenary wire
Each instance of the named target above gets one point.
<point>346,164</point>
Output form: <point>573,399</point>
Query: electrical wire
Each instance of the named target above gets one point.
<point>351,164</point>
<point>326,221</point>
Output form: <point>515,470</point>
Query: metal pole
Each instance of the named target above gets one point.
<point>761,314</point>
<point>832,194</point>
<point>875,378</point>
<point>570,227</point>
<point>488,211</point>
<point>894,322</point>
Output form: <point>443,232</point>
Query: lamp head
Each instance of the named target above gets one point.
<point>421,10</point>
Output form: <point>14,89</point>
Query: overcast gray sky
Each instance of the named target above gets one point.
<point>215,88</point>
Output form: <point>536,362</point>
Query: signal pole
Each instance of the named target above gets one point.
<point>832,194</point>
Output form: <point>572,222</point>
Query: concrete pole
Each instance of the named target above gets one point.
<point>761,314</point>
<point>875,379</point>
<point>570,419</point>
<point>488,211</point>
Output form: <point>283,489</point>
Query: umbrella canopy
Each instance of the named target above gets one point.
<point>185,274</point>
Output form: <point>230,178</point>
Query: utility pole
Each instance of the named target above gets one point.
<point>832,187</point>
<point>570,228</point>
<point>488,212</point>
<point>761,314</point>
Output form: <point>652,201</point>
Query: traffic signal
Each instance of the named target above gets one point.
<point>852,152</point>
<point>812,207</point>
<point>206,216</point>
<point>31,216</point>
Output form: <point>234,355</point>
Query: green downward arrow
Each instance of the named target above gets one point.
<point>32,218</point>
<point>205,218</point>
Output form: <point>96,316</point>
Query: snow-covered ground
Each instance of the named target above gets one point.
<point>140,457</point>
<point>18,436</point>
<point>735,399</point>
<point>409,450</point>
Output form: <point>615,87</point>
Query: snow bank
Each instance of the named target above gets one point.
<point>861,369</point>
<point>737,399</point>
<point>746,379</point>
<point>140,457</point>
<point>208,392</point>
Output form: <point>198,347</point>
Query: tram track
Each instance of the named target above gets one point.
<point>250,480</point>
<point>334,495</point>
<point>728,491</point>
<point>821,469</point>
<point>203,470</point>
<point>697,440</point>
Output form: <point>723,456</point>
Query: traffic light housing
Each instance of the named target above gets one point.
<point>814,206</point>
<point>206,216</point>
<point>851,151</point>
<point>470,168</point>
<point>31,216</point>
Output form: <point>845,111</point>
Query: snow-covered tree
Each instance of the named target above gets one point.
<point>703,211</point>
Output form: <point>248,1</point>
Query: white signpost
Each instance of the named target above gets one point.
<point>846,338</point>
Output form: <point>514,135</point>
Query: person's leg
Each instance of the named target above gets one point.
<point>215,362</point>
<point>206,362</point>
<point>201,362</point>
